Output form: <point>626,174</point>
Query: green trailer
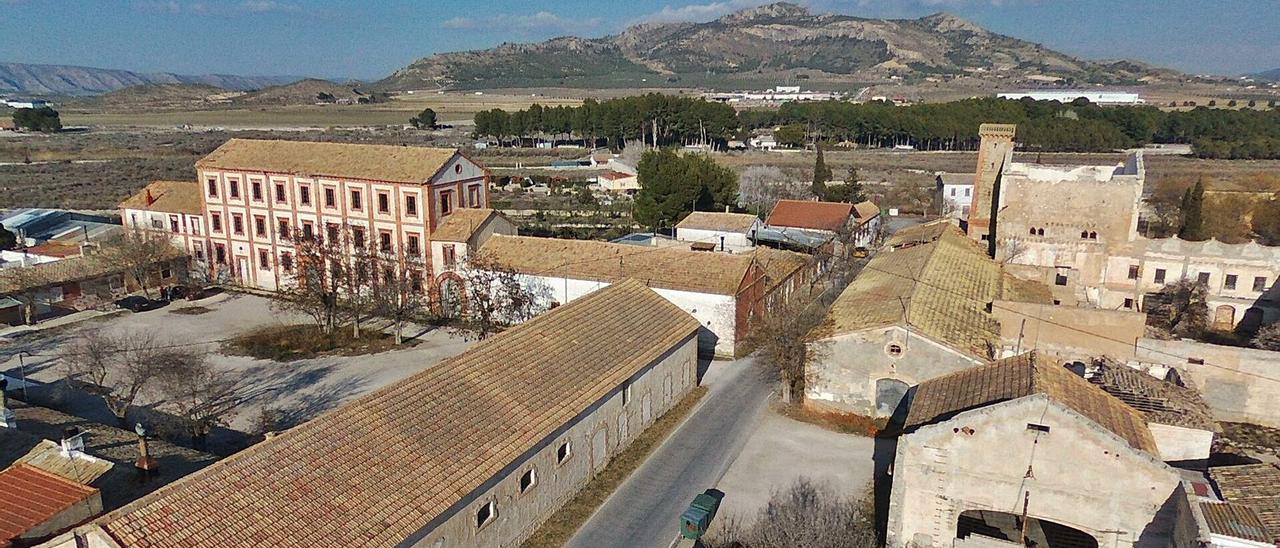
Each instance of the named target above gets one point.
<point>697,518</point>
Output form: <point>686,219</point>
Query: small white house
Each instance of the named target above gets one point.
<point>956,191</point>
<point>711,231</point>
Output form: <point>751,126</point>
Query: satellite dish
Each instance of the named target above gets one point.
<point>137,427</point>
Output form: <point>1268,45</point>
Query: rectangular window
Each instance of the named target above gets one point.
<point>384,202</point>
<point>473,196</point>
<point>195,226</point>
<point>528,479</point>
<point>233,188</point>
<point>485,514</point>
<point>384,242</point>
<point>280,194</point>
<point>1060,279</point>
<point>237,223</point>
<point>220,253</point>
<point>173,224</point>
<point>967,191</point>
<point>1037,427</point>
<point>213,188</point>
<point>157,223</point>
<point>1133,272</point>
<point>308,231</point>
<point>1128,304</point>
<point>166,273</point>
<point>215,221</point>
<point>283,227</point>
<point>1159,276</point>
<point>256,189</point>
<point>264,260</point>
<point>286,261</point>
<point>198,251</point>
<point>411,206</point>
<point>330,197</point>
<point>1230,282</point>
<point>450,258</point>
<point>563,452</point>
<point>304,195</point>
<point>357,237</point>
<point>260,226</point>
<point>1260,283</point>
<point>446,202</point>
<point>412,244</point>
<point>415,281</point>
<point>332,230</point>
<point>626,394</point>
<point>1203,278</point>
<point>953,192</point>
<point>355,200</point>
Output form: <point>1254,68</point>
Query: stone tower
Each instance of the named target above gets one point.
<point>995,148</point>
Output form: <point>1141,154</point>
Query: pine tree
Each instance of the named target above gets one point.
<point>1193,226</point>
<point>821,174</point>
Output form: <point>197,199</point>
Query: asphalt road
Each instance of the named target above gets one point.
<point>643,512</point>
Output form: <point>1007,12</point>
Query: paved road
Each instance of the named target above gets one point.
<point>643,512</point>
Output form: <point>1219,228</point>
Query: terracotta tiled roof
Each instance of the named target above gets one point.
<point>865,210</point>
<point>779,264</point>
<point>30,496</point>
<point>460,225</point>
<point>811,215</point>
<point>1161,402</point>
<point>936,280</point>
<point>402,164</point>
<point>723,222</point>
<point>62,271</point>
<point>665,267</point>
<point>169,197</point>
<point>1235,520</point>
<point>377,470</point>
<point>941,398</point>
<point>616,175</point>
<point>1253,485</point>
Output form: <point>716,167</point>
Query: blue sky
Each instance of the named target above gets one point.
<point>369,39</point>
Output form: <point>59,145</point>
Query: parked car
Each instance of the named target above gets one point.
<point>137,303</point>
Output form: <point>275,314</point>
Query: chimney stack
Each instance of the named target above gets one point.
<point>72,442</point>
<point>150,199</point>
<point>145,463</point>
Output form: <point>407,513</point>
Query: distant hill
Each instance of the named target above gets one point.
<point>305,92</point>
<point>28,79</point>
<point>777,39</point>
<point>161,96</point>
<point>1273,75</point>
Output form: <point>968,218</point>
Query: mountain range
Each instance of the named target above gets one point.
<point>1272,75</point>
<point>30,79</point>
<point>775,39</point>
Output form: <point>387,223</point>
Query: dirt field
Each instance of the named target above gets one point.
<point>452,109</point>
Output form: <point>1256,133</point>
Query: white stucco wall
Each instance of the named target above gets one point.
<point>733,241</point>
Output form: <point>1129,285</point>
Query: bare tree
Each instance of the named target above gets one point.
<point>787,343</point>
<point>1268,338</point>
<point>760,187</point>
<point>802,515</point>
<point>496,297</point>
<point>318,280</point>
<point>28,284</point>
<point>1181,307</point>
<point>1011,250</point>
<point>360,285</point>
<point>202,395</point>
<point>140,254</point>
<point>115,367</point>
<point>401,294</point>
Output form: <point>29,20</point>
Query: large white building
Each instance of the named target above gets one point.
<point>1069,95</point>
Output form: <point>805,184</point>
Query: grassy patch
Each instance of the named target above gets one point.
<point>844,423</point>
<point>191,310</point>
<point>304,341</point>
<point>566,521</point>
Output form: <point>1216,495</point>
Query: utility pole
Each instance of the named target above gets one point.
<point>1022,536</point>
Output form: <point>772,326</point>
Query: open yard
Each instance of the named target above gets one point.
<point>295,391</point>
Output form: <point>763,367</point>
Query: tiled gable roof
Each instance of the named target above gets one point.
<point>865,210</point>
<point>665,267</point>
<point>1160,401</point>
<point>460,225</point>
<point>810,215</point>
<point>392,163</point>
<point>935,279</point>
<point>169,197</point>
<point>1254,485</point>
<point>71,269</point>
<point>942,397</point>
<point>724,222</point>
<point>377,470</point>
<point>30,496</point>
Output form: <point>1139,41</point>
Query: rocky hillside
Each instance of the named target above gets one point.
<point>1273,75</point>
<point>773,39</point>
<point>27,79</point>
<point>305,92</point>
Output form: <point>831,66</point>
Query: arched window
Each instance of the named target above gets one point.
<point>1039,232</point>
<point>894,350</point>
<point>1084,234</point>
<point>1093,235</point>
<point>1033,232</point>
